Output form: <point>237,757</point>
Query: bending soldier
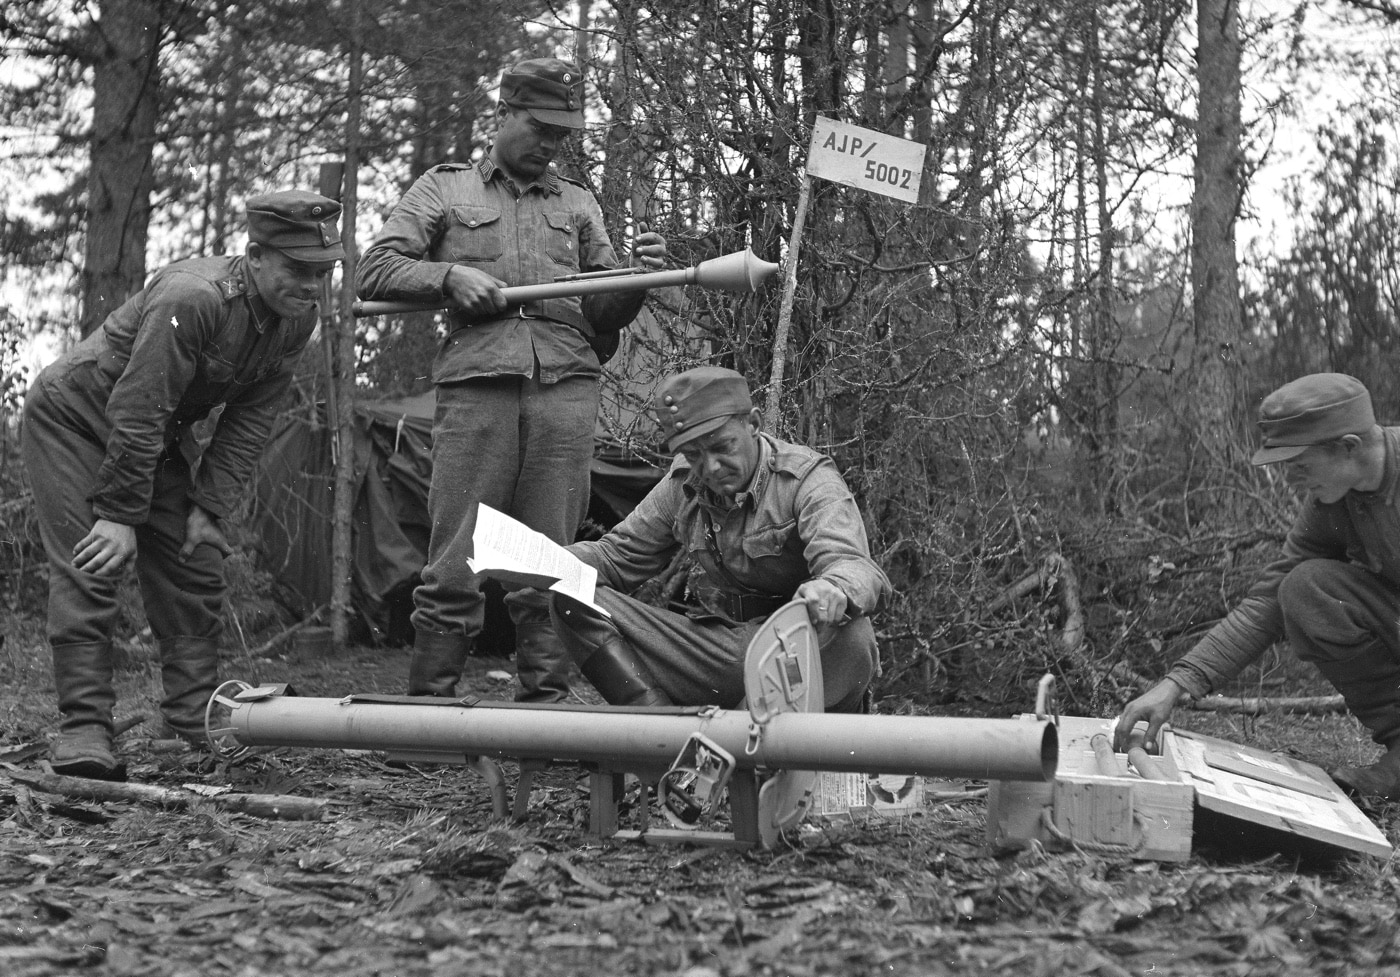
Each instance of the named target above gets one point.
<point>120,478</point>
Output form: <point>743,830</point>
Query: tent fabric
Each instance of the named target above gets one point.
<point>293,505</point>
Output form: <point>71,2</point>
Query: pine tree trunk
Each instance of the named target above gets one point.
<point>126,90</point>
<point>1214,210</point>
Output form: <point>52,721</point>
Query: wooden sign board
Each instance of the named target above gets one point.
<point>866,159</point>
<point>1119,810</point>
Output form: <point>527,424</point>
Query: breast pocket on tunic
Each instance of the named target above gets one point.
<point>770,554</point>
<point>474,234</point>
<point>561,238</point>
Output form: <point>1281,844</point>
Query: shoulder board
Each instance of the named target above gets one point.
<point>565,179</point>
<point>231,288</point>
<point>448,167</point>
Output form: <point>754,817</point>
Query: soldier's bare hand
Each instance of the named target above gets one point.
<point>106,548</point>
<point>474,291</point>
<point>1155,707</point>
<point>826,604</point>
<point>201,529</point>
<point>649,250</point>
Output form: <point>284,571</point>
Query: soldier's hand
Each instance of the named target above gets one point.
<point>200,528</point>
<point>649,250</point>
<point>826,604</point>
<point>1155,706</point>
<point>105,549</point>
<point>474,291</point>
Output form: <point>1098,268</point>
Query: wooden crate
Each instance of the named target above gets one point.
<point>1128,814</point>
<point>1096,811</point>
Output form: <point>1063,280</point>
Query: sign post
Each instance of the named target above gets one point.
<point>860,158</point>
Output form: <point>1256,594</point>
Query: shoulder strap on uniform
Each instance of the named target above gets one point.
<point>231,288</point>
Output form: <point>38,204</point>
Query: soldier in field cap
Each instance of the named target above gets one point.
<point>1334,593</point>
<point>765,522</point>
<point>517,386</point>
<point>118,473</point>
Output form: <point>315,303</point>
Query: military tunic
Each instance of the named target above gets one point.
<point>796,522</point>
<point>109,434</point>
<point>1335,594</point>
<point>517,396</point>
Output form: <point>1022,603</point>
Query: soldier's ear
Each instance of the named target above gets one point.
<point>755,420</point>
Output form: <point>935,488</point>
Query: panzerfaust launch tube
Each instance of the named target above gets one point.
<point>983,749</point>
<point>740,271</point>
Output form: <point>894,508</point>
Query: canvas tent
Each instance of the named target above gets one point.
<point>292,509</point>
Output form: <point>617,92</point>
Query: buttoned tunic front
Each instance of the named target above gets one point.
<point>474,215</point>
<point>797,521</point>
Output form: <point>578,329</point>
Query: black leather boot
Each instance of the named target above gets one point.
<point>621,677</point>
<point>541,664</point>
<point>83,747</point>
<point>189,672</point>
<point>438,660</point>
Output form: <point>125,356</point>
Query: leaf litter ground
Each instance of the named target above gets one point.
<point>408,874</point>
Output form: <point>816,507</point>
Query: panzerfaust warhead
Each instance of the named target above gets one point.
<point>740,271</point>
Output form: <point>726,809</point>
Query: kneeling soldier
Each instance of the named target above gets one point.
<point>763,521</point>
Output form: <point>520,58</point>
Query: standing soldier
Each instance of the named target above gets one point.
<point>517,387</point>
<point>119,477</point>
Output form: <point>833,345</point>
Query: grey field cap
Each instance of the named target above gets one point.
<point>1311,410</point>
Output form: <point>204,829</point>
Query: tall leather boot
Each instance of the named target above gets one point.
<point>438,660</point>
<point>620,676</point>
<point>189,672</point>
<point>83,677</point>
<point>541,664</point>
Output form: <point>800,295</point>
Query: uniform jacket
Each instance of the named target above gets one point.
<point>1361,528</point>
<point>797,522</point>
<point>195,337</point>
<point>471,215</point>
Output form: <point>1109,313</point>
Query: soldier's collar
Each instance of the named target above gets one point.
<point>550,182</point>
<point>262,316</point>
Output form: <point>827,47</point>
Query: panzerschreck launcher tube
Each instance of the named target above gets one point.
<point>647,739</point>
<point>740,271</point>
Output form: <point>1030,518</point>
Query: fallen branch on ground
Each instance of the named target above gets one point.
<point>1315,705</point>
<point>283,806</point>
<point>266,649</point>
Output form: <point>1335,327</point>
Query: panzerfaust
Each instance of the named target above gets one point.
<point>764,759</point>
<point>741,271</point>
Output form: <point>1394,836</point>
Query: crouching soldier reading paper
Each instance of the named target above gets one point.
<point>763,521</point>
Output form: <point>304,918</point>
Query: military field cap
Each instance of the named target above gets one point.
<point>549,89</point>
<point>299,223</point>
<point>690,405</point>
<point>1310,410</point>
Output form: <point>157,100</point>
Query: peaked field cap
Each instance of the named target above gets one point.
<point>299,223</point>
<point>549,89</point>
<point>690,405</point>
<point>1310,410</point>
